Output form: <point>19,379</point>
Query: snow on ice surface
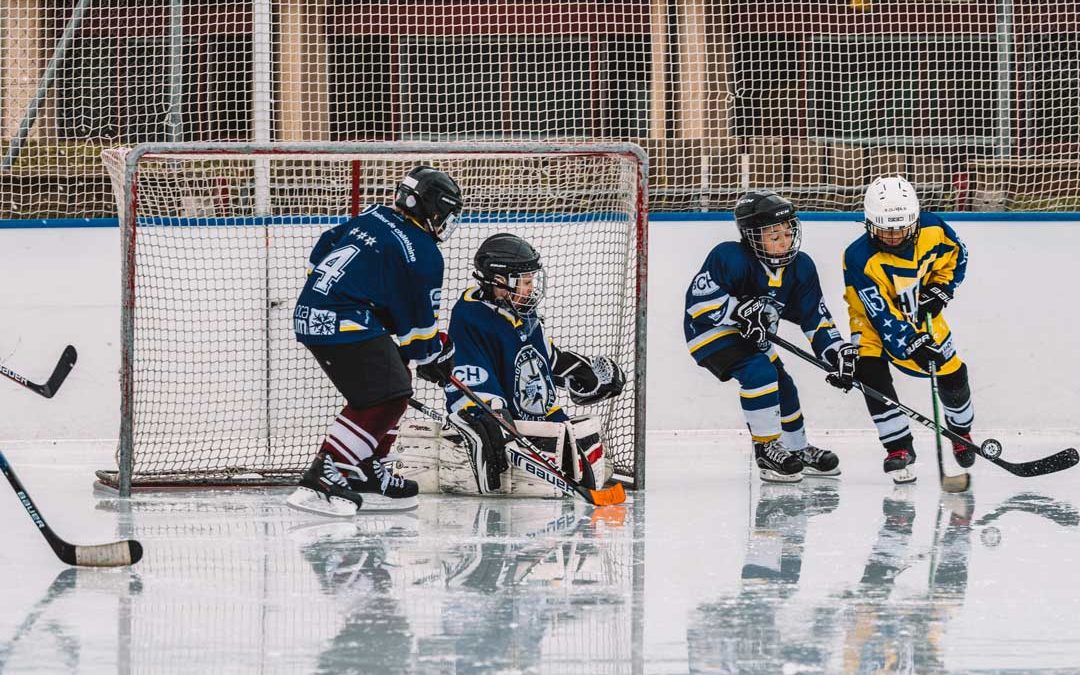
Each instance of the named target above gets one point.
<point>708,571</point>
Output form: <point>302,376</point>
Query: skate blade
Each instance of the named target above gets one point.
<point>770,476</point>
<point>310,501</point>
<point>902,476</point>
<point>811,472</point>
<point>377,503</point>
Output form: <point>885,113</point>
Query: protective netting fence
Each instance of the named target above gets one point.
<point>216,388</point>
<point>976,101</point>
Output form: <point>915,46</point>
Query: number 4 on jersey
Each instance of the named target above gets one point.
<point>332,267</point>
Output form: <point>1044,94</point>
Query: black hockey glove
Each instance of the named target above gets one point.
<point>485,442</point>
<point>924,351</point>
<point>438,370</point>
<point>933,299</point>
<point>842,359</point>
<point>757,319</point>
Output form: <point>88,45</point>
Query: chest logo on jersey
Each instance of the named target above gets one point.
<point>703,285</point>
<point>532,383</point>
<point>473,376</point>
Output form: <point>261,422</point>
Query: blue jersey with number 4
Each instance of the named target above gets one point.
<point>373,275</point>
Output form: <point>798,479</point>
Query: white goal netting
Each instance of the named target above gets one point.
<point>976,101</point>
<point>216,237</point>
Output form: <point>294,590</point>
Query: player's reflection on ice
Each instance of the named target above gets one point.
<point>858,630</point>
<point>745,633</point>
<point>494,591</point>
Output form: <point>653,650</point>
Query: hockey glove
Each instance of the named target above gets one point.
<point>588,381</point>
<point>485,442</point>
<point>933,299</point>
<point>757,319</point>
<point>924,351</point>
<point>438,370</point>
<point>842,359</point>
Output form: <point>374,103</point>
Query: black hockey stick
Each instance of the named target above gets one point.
<point>534,462</point>
<point>962,481</point>
<point>59,374</point>
<point>116,554</point>
<point>990,449</point>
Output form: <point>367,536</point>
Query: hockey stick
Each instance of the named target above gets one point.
<point>958,483</point>
<point>59,374</point>
<point>116,554</point>
<point>990,448</point>
<point>441,418</point>
<point>533,462</point>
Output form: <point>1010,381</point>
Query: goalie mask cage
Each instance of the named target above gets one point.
<point>215,388</point>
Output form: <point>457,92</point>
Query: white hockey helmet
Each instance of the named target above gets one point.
<point>891,209</point>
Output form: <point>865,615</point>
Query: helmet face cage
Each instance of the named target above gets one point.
<point>908,230</point>
<point>756,238</point>
<point>526,290</point>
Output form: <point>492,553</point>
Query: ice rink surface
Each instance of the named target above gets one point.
<point>708,571</point>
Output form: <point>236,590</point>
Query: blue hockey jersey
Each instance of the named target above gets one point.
<point>730,274</point>
<point>373,275</point>
<point>500,356</point>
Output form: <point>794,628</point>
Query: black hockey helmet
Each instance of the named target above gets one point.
<point>432,198</point>
<point>754,212</point>
<point>504,261</point>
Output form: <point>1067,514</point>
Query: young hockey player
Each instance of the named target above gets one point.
<point>733,305</point>
<point>505,356</point>
<point>906,265</point>
<point>373,279</point>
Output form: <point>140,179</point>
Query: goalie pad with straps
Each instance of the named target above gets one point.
<point>438,458</point>
<point>587,380</point>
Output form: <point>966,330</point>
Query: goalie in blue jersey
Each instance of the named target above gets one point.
<point>505,355</point>
<point>734,304</point>
<point>370,307</point>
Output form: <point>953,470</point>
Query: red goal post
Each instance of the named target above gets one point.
<point>216,391</point>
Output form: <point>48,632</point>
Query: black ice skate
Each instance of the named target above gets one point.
<point>965,456</point>
<point>776,463</point>
<point>898,465</point>
<point>323,490</point>
<point>819,462</point>
<point>383,490</point>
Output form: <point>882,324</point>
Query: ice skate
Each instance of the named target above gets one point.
<point>323,490</point>
<point>898,465</point>
<point>776,463</point>
<point>819,462</point>
<point>382,489</point>
<point>965,456</point>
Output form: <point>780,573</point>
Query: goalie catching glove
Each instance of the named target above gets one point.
<point>587,380</point>
<point>485,441</point>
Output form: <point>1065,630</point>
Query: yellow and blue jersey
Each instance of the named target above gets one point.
<point>732,273</point>
<point>882,291</point>
<point>373,275</point>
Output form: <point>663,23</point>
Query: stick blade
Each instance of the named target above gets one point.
<point>958,483</point>
<point>60,373</point>
<point>117,554</point>
<point>608,496</point>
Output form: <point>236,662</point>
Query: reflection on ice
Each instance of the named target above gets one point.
<point>865,628</point>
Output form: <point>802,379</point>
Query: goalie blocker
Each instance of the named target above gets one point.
<point>440,458</point>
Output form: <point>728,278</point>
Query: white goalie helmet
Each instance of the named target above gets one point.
<point>891,210</point>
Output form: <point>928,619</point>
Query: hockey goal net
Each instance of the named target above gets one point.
<point>215,388</point>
